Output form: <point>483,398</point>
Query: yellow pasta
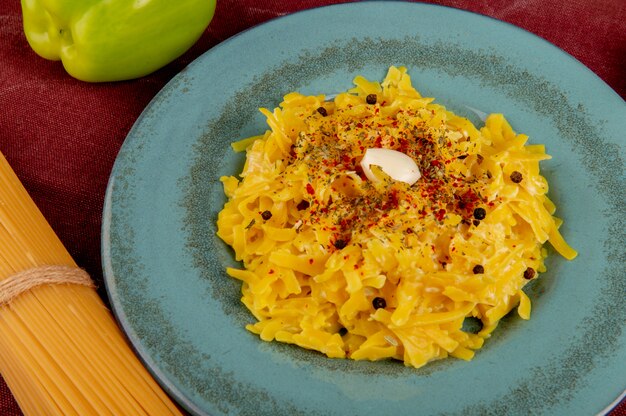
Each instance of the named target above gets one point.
<point>357,263</point>
<point>61,352</point>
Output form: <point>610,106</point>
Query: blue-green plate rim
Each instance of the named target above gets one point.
<point>574,119</point>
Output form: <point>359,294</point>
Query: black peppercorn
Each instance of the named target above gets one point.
<point>322,111</point>
<point>340,244</point>
<point>516,177</point>
<point>371,99</point>
<point>529,273</point>
<point>379,303</point>
<point>480,213</point>
<point>478,269</point>
<point>342,331</point>
<point>302,205</point>
<point>266,215</point>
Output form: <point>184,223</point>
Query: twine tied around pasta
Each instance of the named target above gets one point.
<point>23,281</point>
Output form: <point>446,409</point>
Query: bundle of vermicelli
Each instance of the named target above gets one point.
<point>60,349</point>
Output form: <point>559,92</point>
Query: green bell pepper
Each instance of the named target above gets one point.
<point>113,40</point>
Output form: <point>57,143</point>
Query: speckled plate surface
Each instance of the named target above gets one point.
<point>164,267</point>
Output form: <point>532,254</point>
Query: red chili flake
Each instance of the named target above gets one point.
<point>311,261</point>
<point>359,171</point>
<point>309,189</point>
<point>440,214</point>
<point>393,199</point>
<point>271,271</point>
<point>359,125</point>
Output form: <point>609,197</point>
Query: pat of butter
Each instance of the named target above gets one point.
<point>397,165</point>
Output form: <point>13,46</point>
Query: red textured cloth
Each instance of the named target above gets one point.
<point>61,136</point>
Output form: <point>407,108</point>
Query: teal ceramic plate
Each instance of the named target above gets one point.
<point>164,266</point>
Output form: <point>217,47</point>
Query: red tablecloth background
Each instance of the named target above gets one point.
<point>61,135</point>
